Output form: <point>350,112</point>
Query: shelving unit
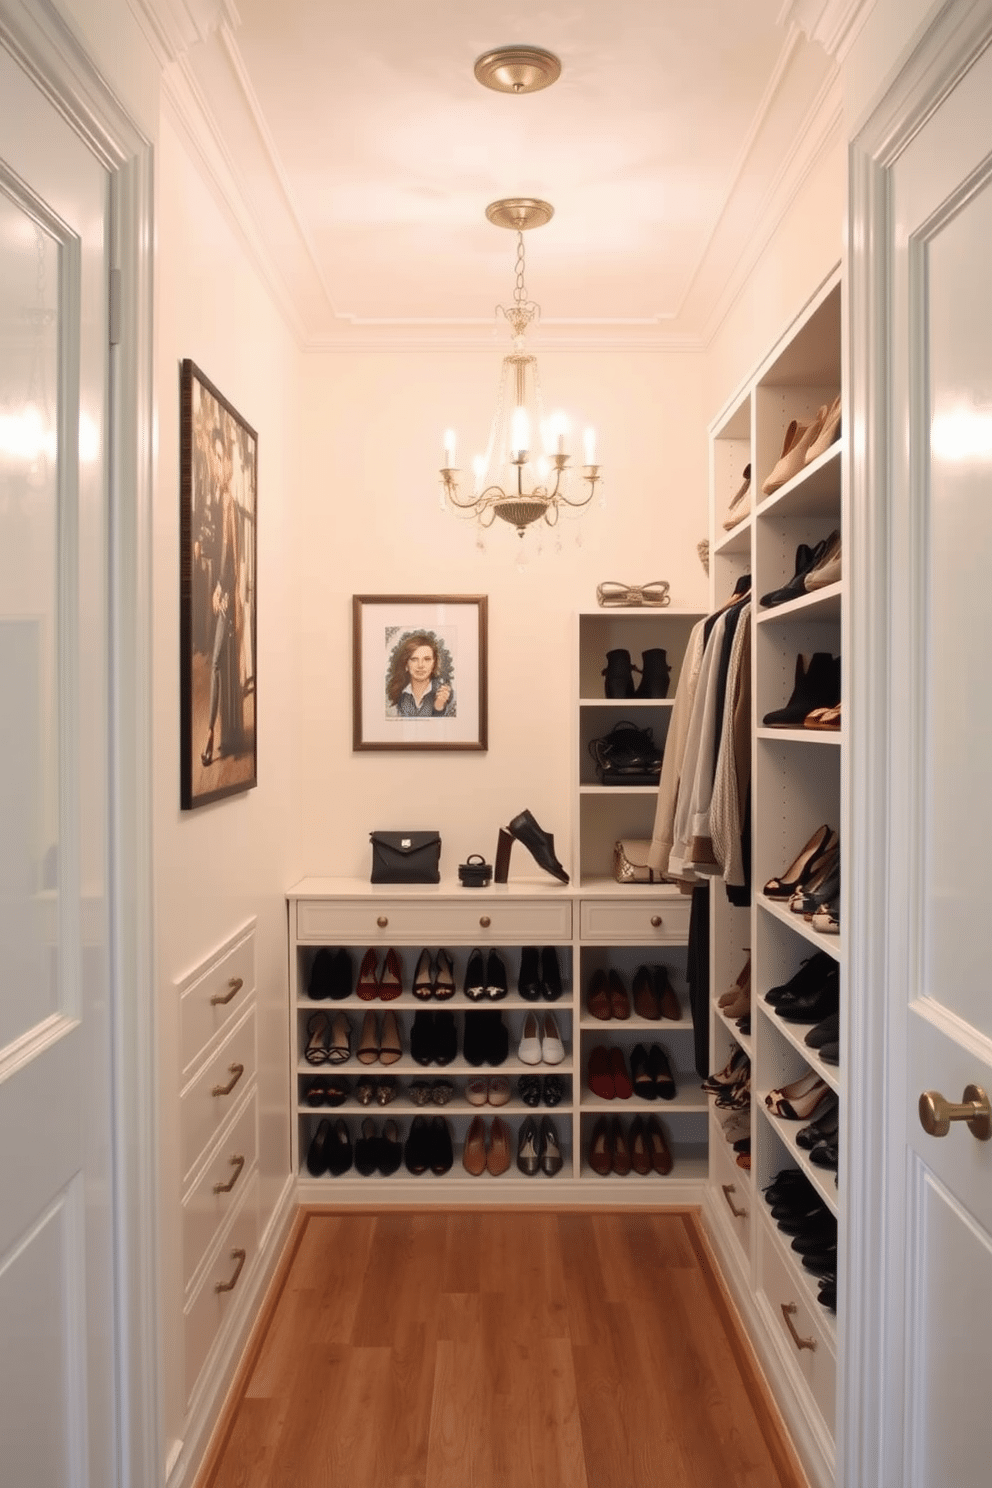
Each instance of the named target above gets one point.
<point>797,783</point>
<point>605,813</point>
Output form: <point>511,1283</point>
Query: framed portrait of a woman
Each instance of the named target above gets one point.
<point>419,671</point>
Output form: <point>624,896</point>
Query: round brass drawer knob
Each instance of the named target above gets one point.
<point>485,921</point>
<point>382,922</point>
<point>656,921</point>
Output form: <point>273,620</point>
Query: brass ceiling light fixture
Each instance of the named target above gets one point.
<point>517,69</point>
<point>525,474</point>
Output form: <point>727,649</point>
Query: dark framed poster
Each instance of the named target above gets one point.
<point>218,594</point>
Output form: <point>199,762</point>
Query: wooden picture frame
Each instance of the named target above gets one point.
<point>218,595</point>
<point>404,697</point>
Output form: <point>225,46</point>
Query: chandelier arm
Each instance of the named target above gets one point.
<point>579,502</point>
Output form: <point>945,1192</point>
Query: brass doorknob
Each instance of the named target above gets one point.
<point>936,1113</point>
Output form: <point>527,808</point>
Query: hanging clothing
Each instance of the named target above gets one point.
<point>701,813</point>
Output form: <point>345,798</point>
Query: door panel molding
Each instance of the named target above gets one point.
<point>871,1426</point>
<point>37,37</point>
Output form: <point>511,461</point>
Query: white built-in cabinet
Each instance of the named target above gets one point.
<point>218,1146</point>
<point>797,785</point>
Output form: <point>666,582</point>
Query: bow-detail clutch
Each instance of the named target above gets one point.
<point>610,596</point>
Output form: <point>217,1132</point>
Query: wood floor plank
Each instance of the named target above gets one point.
<point>501,1350</point>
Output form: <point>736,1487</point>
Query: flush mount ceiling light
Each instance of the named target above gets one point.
<point>517,69</point>
<point>512,480</point>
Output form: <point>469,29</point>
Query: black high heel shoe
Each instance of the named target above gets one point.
<point>540,844</point>
<point>802,868</point>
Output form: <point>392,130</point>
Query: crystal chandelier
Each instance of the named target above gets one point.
<point>525,475</point>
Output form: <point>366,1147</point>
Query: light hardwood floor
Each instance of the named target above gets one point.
<point>447,1349</point>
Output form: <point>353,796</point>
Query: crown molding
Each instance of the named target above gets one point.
<point>188,109</point>
<point>818,134</point>
<point>833,24</point>
<point>172,27</point>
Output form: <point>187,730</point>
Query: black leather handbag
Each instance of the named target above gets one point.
<point>406,857</point>
<point>627,755</point>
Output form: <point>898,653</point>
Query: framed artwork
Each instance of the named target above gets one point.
<point>218,597</point>
<point>419,671</point>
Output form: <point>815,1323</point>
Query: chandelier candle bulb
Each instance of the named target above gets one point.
<point>520,432</point>
<point>589,441</point>
<point>449,448</point>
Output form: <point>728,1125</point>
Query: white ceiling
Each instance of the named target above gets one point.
<point>364,153</point>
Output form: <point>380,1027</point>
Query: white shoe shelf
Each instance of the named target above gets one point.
<point>797,783</point>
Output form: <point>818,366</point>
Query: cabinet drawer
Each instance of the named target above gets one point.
<point>644,920</point>
<point>783,1290</point>
<point>209,1308</point>
<point>201,1112</point>
<point>735,1195</point>
<point>219,1186</point>
<point>212,1001</point>
<point>431,922</point>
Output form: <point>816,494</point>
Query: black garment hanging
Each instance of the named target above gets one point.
<point>697,963</point>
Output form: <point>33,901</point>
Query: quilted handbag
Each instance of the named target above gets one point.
<point>627,755</point>
<point>630,861</point>
<point>406,857</point>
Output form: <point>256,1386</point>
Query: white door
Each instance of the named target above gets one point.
<point>57,1319</point>
<point>940,803</point>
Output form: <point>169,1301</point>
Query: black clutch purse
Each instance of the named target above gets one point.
<point>406,857</point>
<point>475,872</point>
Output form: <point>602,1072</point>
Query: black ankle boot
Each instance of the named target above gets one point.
<point>655,674</point>
<point>619,674</point>
<point>817,685</point>
<point>540,844</point>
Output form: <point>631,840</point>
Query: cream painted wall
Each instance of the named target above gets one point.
<point>217,866</point>
<point>373,525</point>
<point>806,248</point>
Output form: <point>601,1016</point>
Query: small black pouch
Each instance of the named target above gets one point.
<point>406,857</point>
<point>475,873</point>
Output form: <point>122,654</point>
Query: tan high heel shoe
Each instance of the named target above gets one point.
<point>798,439</point>
<point>828,434</point>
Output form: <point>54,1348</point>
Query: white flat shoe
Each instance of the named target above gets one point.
<point>477,1092</point>
<point>530,1042</point>
<point>552,1048</point>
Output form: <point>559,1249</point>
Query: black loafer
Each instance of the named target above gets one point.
<point>441,1155</point>
<point>529,980</point>
<point>551,986</point>
<point>416,1153</point>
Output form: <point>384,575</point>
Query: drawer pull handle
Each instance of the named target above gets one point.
<point>228,1286</point>
<point>728,1189</point>
<point>235,985</point>
<point>789,1309</point>
<point>237,1070</point>
<point>382,921</point>
<point>485,921</point>
<point>237,1163</point>
<point>656,921</point>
